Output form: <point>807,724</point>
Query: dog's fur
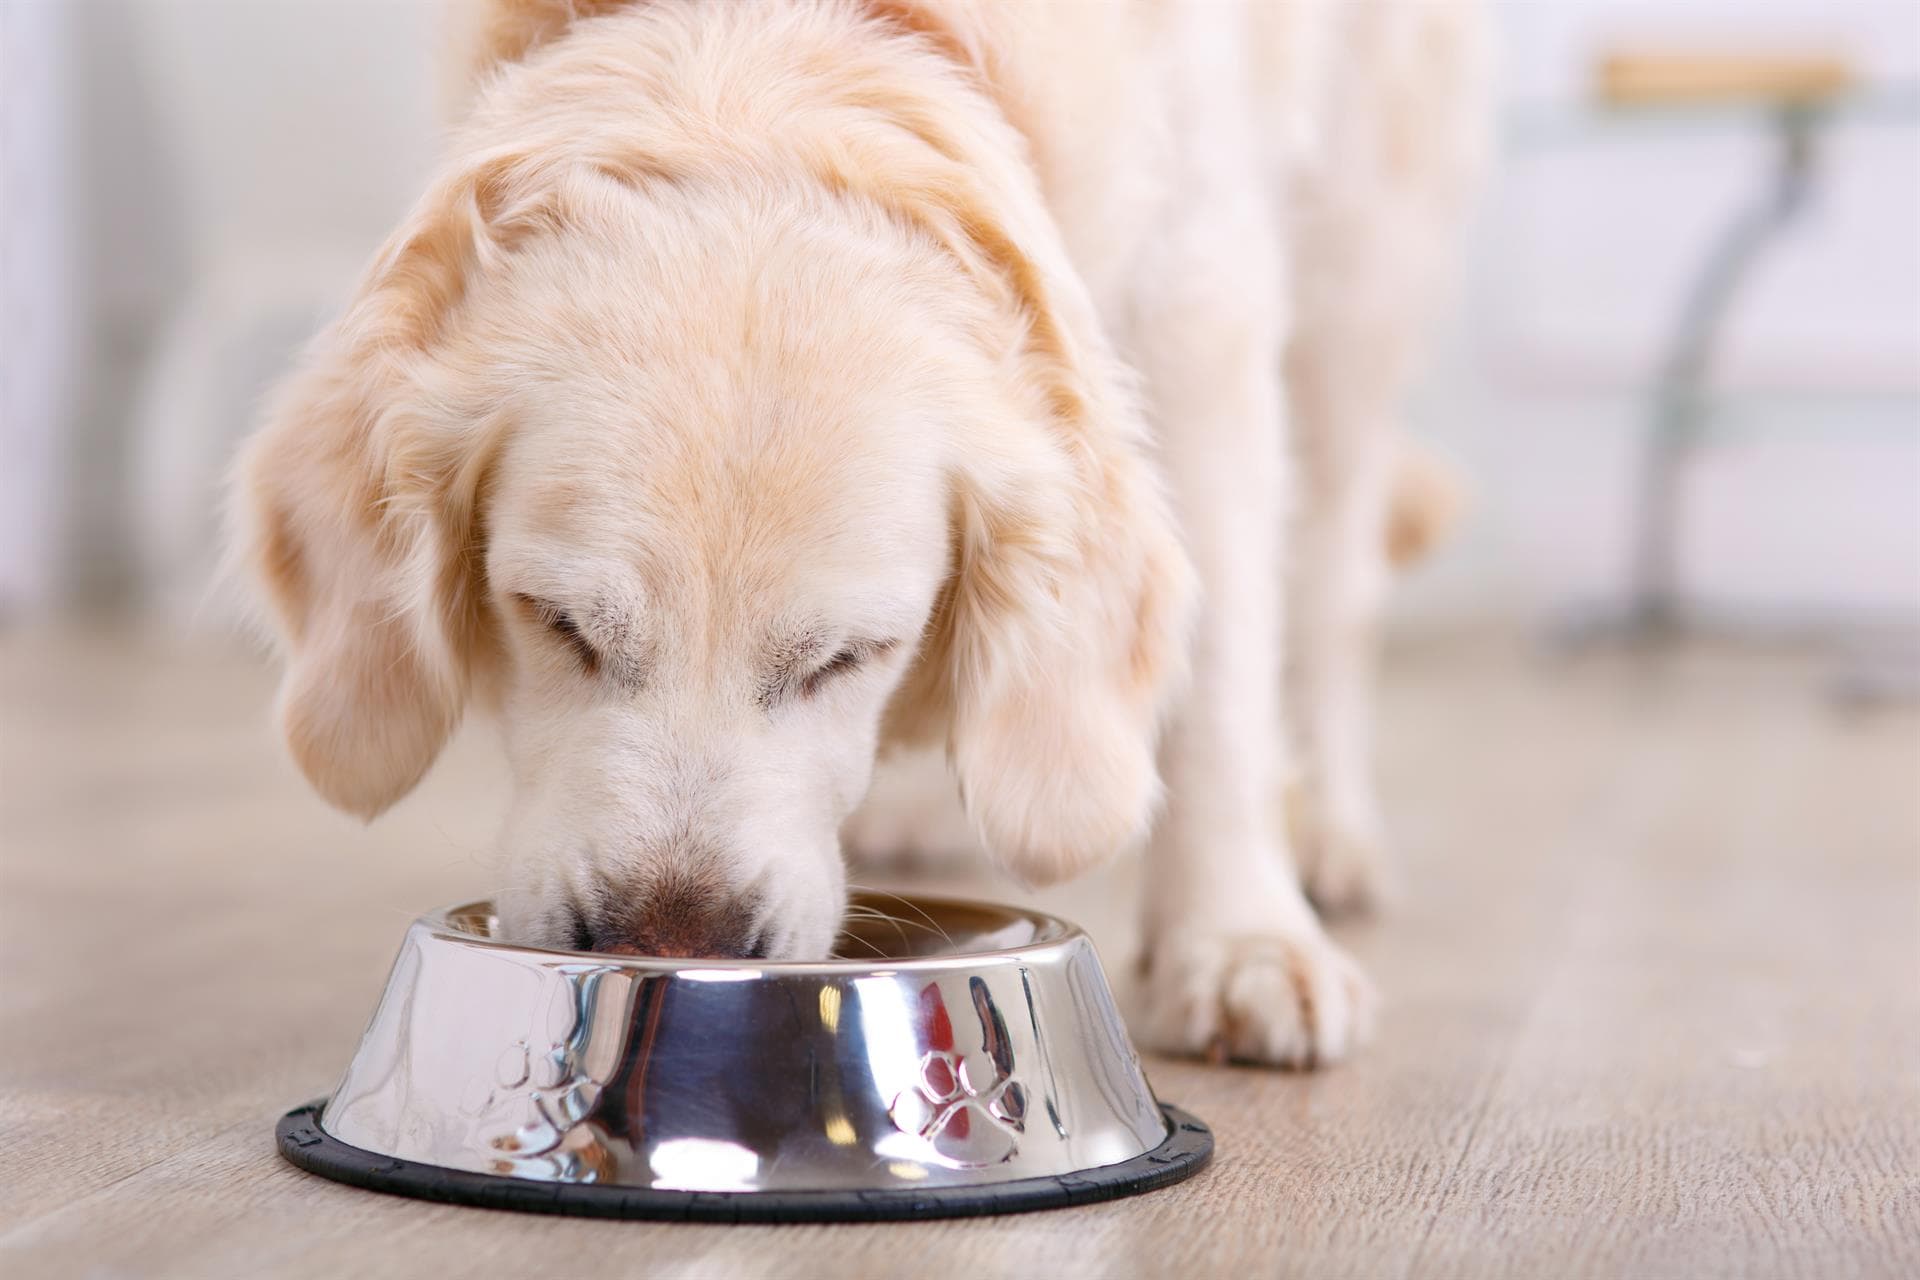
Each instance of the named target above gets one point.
<point>761,385</point>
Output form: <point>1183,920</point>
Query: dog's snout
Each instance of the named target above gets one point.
<point>680,940</point>
<point>685,921</point>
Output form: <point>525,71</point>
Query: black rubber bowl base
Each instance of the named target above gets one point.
<point>303,1142</point>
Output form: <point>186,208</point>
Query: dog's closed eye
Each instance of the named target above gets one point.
<point>799,675</point>
<point>839,664</point>
<point>562,626</point>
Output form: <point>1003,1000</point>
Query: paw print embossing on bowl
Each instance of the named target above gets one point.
<point>968,1107</point>
<point>542,1089</point>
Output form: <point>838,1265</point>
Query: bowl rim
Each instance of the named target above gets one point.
<point>1067,935</point>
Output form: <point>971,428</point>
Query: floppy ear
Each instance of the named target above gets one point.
<point>353,510</point>
<point>1061,634</point>
<point>1065,626</point>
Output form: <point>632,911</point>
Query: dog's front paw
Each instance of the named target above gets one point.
<point>1341,851</point>
<point>1284,999</point>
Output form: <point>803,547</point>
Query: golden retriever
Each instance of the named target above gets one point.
<point>759,386</point>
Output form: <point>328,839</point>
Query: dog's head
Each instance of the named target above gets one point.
<point>706,490</point>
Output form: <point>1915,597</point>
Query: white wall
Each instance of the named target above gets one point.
<point>223,168</point>
<point>41,330</point>
<point>1589,232</point>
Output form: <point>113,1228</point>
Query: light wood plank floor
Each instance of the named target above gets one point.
<point>1653,999</point>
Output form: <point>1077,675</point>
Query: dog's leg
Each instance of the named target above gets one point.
<point>1370,227</point>
<point>1341,417</point>
<point>1235,963</point>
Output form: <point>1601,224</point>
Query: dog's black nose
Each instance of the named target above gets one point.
<point>686,921</point>
<point>681,942</point>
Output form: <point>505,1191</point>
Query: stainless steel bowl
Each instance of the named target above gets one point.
<point>972,1062</point>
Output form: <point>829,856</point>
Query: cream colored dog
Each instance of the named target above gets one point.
<point>761,384</point>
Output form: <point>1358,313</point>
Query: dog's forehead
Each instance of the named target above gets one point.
<point>804,487</point>
<point>785,522</point>
<point>754,438</point>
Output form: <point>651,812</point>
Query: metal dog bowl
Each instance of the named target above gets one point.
<point>974,1063</point>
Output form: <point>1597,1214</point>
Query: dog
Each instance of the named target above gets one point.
<point>758,389</point>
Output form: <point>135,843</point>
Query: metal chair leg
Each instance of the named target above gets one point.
<point>1652,609</point>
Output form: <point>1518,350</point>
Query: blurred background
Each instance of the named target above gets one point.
<point>191,185</point>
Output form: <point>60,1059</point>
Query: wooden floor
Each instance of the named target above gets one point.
<point>1653,1000</point>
